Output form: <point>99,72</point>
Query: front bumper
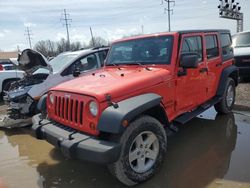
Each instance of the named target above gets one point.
<point>244,72</point>
<point>74,144</point>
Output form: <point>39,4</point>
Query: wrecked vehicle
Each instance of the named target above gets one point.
<point>41,75</point>
<point>8,74</point>
<point>116,115</point>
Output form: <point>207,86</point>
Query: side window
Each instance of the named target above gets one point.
<point>88,63</point>
<point>212,48</point>
<point>226,44</point>
<point>192,44</point>
<point>102,55</point>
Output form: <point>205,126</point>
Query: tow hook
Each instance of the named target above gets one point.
<point>173,127</point>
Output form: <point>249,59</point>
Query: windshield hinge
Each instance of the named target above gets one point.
<point>110,103</point>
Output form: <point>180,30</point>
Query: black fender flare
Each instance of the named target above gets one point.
<point>42,105</point>
<point>231,71</point>
<point>111,118</point>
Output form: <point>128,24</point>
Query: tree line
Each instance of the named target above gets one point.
<point>51,48</point>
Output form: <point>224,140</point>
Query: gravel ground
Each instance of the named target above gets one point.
<point>243,97</point>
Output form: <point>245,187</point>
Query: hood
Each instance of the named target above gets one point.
<point>242,51</point>
<point>30,60</point>
<point>116,82</point>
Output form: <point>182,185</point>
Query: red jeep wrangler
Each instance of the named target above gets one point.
<point>116,115</point>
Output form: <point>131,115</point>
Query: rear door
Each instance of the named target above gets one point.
<point>192,86</point>
<point>214,62</point>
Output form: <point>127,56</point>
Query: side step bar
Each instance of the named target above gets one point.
<point>184,118</point>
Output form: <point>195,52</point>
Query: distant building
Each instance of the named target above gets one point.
<point>8,55</point>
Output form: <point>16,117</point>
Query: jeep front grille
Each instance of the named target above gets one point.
<point>69,110</point>
<point>242,61</point>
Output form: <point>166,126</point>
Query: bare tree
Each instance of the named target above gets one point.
<point>47,48</point>
<point>61,46</point>
<point>51,49</point>
<point>74,46</point>
<point>98,42</point>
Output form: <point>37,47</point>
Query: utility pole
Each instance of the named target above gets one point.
<point>65,18</point>
<point>18,49</point>
<point>93,40</point>
<point>28,34</point>
<point>168,10</point>
<point>231,10</point>
<point>142,29</point>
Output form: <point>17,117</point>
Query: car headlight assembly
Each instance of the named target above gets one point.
<point>93,108</point>
<point>19,92</point>
<point>51,98</point>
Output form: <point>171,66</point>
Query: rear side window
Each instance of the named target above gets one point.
<point>192,44</point>
<point>226,43</point>
<point>212,48</point>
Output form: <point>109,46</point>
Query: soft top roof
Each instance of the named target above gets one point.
<point>204,31</point>
<point>172,33</point>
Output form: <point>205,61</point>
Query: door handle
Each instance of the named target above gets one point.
<point>202,70</point>
<point>218,65</point>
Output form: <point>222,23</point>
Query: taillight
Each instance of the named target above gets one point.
<point>1,68</point>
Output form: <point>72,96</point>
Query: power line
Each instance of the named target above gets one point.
<point>168,10</point>
<point>65,18</point>
<point>28,34</point>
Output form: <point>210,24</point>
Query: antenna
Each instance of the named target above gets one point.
<point>231,10</point>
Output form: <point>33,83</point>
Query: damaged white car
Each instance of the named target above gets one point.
<point>41,75</point>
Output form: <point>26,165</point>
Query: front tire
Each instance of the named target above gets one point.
<point>225,106</point>
<point>144,145</point>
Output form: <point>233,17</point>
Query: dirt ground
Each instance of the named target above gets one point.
<point>243,97</point>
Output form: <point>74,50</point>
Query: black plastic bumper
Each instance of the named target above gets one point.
<point>74,144</point>
<point>244,72</point>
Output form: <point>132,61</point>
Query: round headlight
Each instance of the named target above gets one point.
<point>51,98</point>
<point>93,108</point>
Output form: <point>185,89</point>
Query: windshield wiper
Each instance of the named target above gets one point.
<point>137,63</point>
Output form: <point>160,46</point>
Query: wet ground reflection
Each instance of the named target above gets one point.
<point>202,152</point>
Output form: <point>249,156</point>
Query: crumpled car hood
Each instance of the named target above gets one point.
<point>30,60</point>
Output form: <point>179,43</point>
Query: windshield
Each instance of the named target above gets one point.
<point>241,40</point>
<point>152,50</point>
<point>60,61</point>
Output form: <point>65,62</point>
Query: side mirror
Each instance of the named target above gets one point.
<point>189,60</point>
<point>76,72</point>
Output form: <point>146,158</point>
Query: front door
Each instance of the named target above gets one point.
<point>191,87</point>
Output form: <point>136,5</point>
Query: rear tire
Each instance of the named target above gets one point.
<point>225,106</point>
<point>144,145</point>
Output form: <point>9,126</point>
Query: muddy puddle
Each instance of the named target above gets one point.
<point>211,151</point>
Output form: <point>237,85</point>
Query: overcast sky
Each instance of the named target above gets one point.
<point>110,19</point>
